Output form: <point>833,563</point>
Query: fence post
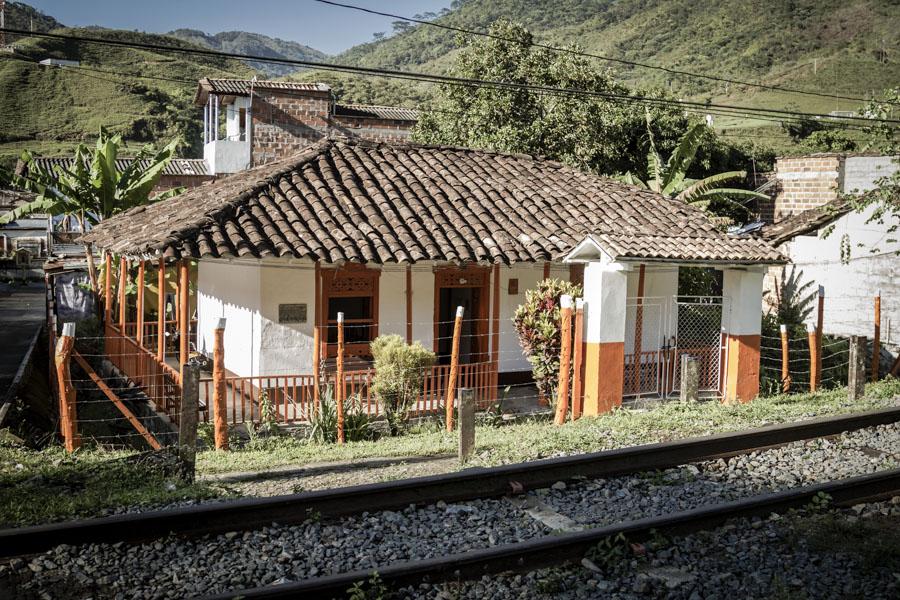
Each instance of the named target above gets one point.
<point>161,311</point>
<point>139,333</point>
<point>876,340</point>
<point>578,361</point>
<point>466,423</point>
<point>123,275</point>
<point>565,358</point>
<point>813,339</point>
<point>820,327</point>
<point>67,413</point>
<point>785,362</point>
<point>690,379</point>
<point>856,378</point>
<point>220,410</point>
<point>107,290</point>
<point>454,369</point>
<point>187,422</point>
<point>316,369</point>
<point>339,388</point>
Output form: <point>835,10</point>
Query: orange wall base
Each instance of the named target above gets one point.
<point>604,377</point>
<point>742,370</point>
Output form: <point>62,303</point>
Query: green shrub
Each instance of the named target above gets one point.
<point>399,374</point>
<point>538,327</point>
<point>357,424</point>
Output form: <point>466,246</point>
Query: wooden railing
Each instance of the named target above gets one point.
<point>291,397</point>
<point>158,380</point>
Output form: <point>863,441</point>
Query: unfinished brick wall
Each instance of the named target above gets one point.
<point>286,122</point>
<point>168,182</point>
<point>806,182</point>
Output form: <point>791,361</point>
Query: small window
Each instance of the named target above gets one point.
<point>358,319</point>
<point>242,124</point>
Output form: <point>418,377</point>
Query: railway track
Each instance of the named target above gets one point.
<point>250,514</point>
<point>559,549</point>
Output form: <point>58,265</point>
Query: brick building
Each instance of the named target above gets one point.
<point>858,257</point>
<point>249,123</point>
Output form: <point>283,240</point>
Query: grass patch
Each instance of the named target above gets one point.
<point>50,485</point>
<point>536,439</point>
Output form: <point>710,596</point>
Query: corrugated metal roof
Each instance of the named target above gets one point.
<point>178,166</point>
<point>371,111</point>
<point>241,87</point>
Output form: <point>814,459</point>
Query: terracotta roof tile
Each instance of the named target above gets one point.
<point>379,203</point>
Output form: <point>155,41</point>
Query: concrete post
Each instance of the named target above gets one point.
<point>454,369</point>
<point>219,405</point>
<point>466,424</point>
<point>605,290</point>
<point>565,359</point>
<point>187,422</point>
<point>856,378</point>
<point>742,322</point>
<point>813,341</point>
<point>690,379</point>
<point>876,339</point>
<point>67,415</point>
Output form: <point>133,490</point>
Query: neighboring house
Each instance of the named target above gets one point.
<point>808,202</point>
<point>249,123</point>
<point>180,172</point>
<point>397,236</point>
<point>25,242</point>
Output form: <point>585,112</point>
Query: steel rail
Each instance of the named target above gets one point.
<point>554,550</point>
<point>253,513</point>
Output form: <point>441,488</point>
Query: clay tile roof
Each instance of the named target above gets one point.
<point>805,222</point>
<point>376,112</point>
<point>378,203</point>
<point>178,166</point>
<point>241,87</point>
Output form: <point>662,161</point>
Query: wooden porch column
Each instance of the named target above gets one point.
<point>161,312</point>
<point>107,291</point>
<point>140,304</point>
<point>409,309</point>
<point>495,337</point>
<point>183,308</point>
<point>317,342</point>
<point>546,270</point>
<point>123,268</point>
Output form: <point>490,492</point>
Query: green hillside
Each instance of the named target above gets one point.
<point>50,109</point>
<point>242,42</point>
<point>840,46</point>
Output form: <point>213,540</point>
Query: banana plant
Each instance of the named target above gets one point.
<point>92,188</point>
<point>670,177</point>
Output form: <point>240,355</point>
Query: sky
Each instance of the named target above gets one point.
<point>327,28</point>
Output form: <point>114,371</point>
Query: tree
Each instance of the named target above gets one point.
<point>93,188</point>
<point>670,178</point>
<point>793,300</point>
<point>592,131</point>
<point>537,323</point>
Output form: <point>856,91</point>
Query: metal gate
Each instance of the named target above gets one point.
<point>659,331</point>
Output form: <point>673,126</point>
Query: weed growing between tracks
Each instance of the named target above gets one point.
<point>538,438</point>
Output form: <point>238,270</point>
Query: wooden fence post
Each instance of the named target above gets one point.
<point>339,387</point>
<point>876,340</point>
<point>123,276</point>
<point>67,413</point>
<point>466,423</point>
<point>220,410</point>
<point>856,378</point>
<point>139,334</point>
<point>161,311</point>
<point>317,392</point>
<point>690,379</point>
<point>187,422</point>
<point>578,362</point>
<point>107,289</point>
<point>785,362</point>
<point>820,327</point>
<point>454,369</point>
<point>813,339</point>
<point>565,358</point>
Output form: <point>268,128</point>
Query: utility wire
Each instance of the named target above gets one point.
<point>443,79</point>
<point>590,55</point>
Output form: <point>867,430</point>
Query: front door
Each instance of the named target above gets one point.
<point>467,288</point>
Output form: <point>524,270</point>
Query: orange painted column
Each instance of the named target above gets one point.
<point>604,336</point>
<point>742,322</point>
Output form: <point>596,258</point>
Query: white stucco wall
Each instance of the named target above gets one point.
<point>511,357</point>
<point>232,291</point>
<point>286,348</point>
<point>660,320</point>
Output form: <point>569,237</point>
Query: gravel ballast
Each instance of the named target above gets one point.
<point>174,568</point>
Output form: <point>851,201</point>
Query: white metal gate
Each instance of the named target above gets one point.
<point>659,331</point>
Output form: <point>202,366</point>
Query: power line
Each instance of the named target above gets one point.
<point>444,79</point>
<point>591,55</point>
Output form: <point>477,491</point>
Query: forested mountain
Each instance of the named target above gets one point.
<point>242,42</point>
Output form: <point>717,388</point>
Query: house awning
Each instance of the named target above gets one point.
<point>364,202</point>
